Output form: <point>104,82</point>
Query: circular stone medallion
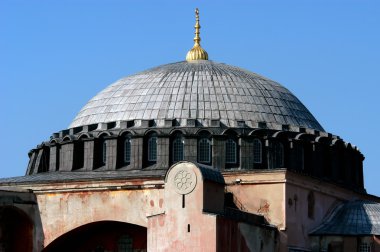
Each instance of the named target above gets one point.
<point>185,181</point>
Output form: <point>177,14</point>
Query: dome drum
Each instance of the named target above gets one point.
<point>104,147</point>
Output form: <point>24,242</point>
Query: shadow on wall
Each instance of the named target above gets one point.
<point>20,221</point>
<point>102,236</point>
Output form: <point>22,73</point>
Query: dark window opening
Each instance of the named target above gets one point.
<point>278,160</point>
<point>124,244</point>
<point>177,148</point>
<point>45,159</point>
<point>231,151</point>
<point>124,150</point>
<point>100,152</point>
<point>204,149</point>
<point>364,247</point>
<point>57,157</point>
<point>78,154</point>
<point>127,150</point>
<point>257,151</point>
<point>150,149</point>
<point>104,152</point>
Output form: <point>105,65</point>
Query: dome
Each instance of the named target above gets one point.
<point>202,90</point>
<point>352,218</point>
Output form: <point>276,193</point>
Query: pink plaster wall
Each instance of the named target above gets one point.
<point>282,197</point>
<point>326,196</point>
<point>279,195</point>
<point>170,231</point>
<point>64,211</point>
<point>260,193</point>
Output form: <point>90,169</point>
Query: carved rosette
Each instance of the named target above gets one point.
<point>185,181</point>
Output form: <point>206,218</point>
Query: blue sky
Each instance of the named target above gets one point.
<point>56,55</point>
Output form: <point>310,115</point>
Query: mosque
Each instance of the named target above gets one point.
<point>191,156</point>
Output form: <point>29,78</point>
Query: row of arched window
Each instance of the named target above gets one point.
<point>204,152</point>
<point>177,148</point>
<point>322,157</point>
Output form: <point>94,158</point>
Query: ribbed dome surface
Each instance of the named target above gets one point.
<point>352,218</point>
<point>199,90</point>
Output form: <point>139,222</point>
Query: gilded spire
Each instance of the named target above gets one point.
<point>197,27</point>
<point>197,52</point>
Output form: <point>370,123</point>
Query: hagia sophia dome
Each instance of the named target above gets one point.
<point>200,90</point>
<point>221,116</point>
<point>197,89</point>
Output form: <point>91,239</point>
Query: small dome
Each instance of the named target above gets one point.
<point>200,90</point>
<point>352,218</point>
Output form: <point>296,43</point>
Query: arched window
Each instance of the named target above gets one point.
<point>100,152</point>
<point>231,151</point>
<point>57,157</point>
<point>257,151</point>
<point>152,148</point>
<point>78,154</point>
<point>104,152</point>
<point>177,148</point>
<point>45,160</point>
<point>204,150</point>
<point>278,155</point>
<point>127,150</point>
<point>364,247</point>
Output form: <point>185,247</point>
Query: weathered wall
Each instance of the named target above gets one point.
<point>308,201</point>
<point>282,197</point>
<point>300,219</point>
<point>62,211</point>
<point>259,193</point>
<point>233,236</point>
<point>183,221</point>
<point>286,200</point>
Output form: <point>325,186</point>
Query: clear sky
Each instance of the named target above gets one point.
<point>56,55</point>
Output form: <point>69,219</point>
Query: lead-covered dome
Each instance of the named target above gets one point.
<point>200,90</point>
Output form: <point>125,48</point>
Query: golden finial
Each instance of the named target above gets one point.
<point>197,52</point>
